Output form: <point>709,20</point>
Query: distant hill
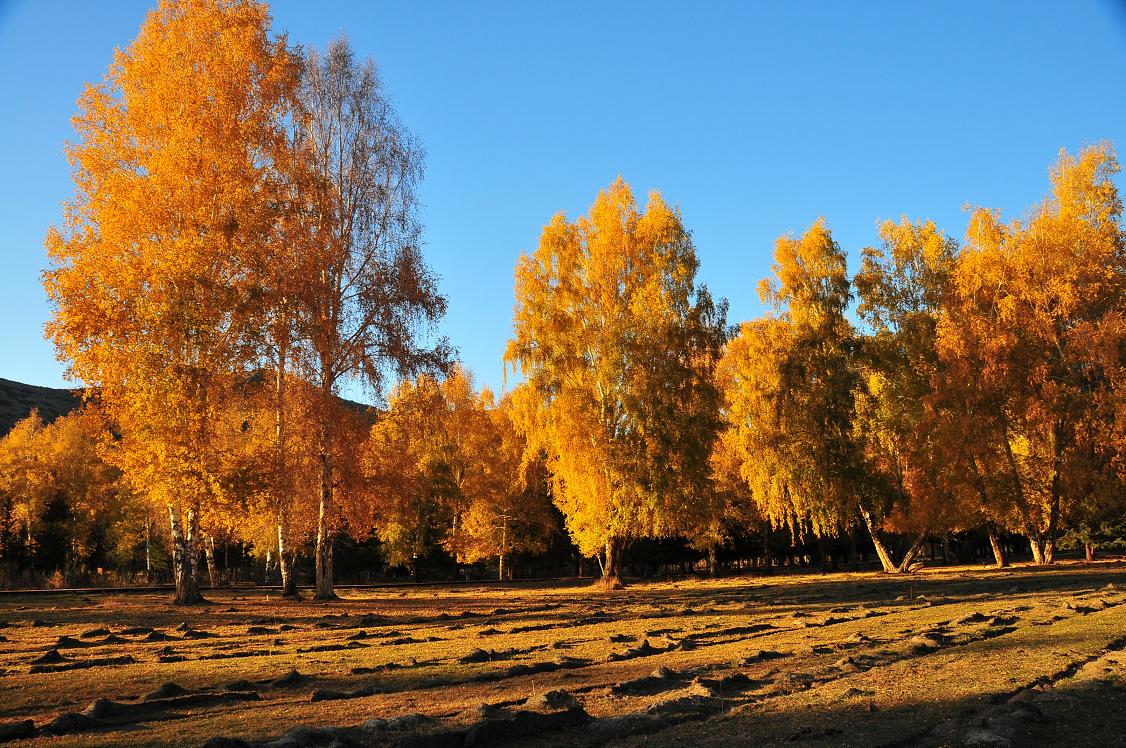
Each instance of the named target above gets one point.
<point>18,399</point>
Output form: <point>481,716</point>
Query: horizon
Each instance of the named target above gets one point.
<point>797,112</point>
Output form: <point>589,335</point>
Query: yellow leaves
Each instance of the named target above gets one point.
<point>608,320</point>
<point>40,463</point>
<point>1018,369</point>
<point>446,464</point>
<point>1082,187</point>
<point>812,278</point>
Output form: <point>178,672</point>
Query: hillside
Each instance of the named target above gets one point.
<point>18,399</point>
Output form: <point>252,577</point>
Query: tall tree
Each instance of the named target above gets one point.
<point>617,343</point>
<point>1033,296</point>
<point>288,262</point>
<point>792,388</point>
<point>903,286</point>
<point>174,191</point>
<point>371,297</point>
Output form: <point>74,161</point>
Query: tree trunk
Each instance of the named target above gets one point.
<point>70,563</point>
<point>1049,540</point>
<point>148,557</point>
<point>281,472</point>
<point>881,549</point>
<point>324,589</point>
<point>209,555</point>
<point>713,561</point>
<point>1089,549</point>
<point>998,551</point>
<point>184,557</point>
<point>503,547</point>
<point>913,552</point>
<point>1037,544</point>
<point>612,568</point>
<point>285,563</point>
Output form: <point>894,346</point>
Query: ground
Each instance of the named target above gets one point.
<point>962,656</point>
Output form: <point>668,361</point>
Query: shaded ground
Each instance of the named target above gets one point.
<point>951,657</point>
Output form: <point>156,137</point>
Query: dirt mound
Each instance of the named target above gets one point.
<point>168,690</point>
<point>289,680</point>
<point>552,701</point>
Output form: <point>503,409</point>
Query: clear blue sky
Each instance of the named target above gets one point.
<point>755,118</point>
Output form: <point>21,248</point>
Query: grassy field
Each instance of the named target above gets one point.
<point>960,656</point>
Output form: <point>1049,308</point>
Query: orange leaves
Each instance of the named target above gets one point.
<point>1013,340</point>
<point>174,188</point>
<point>447,466</point>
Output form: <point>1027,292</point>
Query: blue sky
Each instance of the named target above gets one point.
<point>754,118</point>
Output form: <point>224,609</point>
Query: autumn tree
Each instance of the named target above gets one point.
<point>365,307</point>
<point>463,444</point>
<point>1034,299</point>
<point>61,464</point>
<point>407,482</point>
<point>270,473</point>
<point>903,286</point>
<point>25,478</point>
<point>430,456</point>
<point>792,386</point>
<point>510,511</point>
<point>617,343</point>
<point>175,191</point>
<point>282,443</point>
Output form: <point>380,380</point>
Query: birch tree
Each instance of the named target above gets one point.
<point>370,300</point>
<point>174,182</point>
<point>617,343</point>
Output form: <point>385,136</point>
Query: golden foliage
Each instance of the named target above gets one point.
<point>175,195</point>
<point>617,345</point>
<point>791,383</point>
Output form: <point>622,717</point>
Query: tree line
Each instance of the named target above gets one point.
<point>244,240</point>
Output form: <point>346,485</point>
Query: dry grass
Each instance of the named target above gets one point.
<point>850,659</point>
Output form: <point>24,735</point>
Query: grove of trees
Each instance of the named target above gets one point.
<point>244,244</point>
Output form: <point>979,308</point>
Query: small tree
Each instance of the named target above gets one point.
<point>511,512</point>
<point>25,479</point>
<point>406,479</point>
